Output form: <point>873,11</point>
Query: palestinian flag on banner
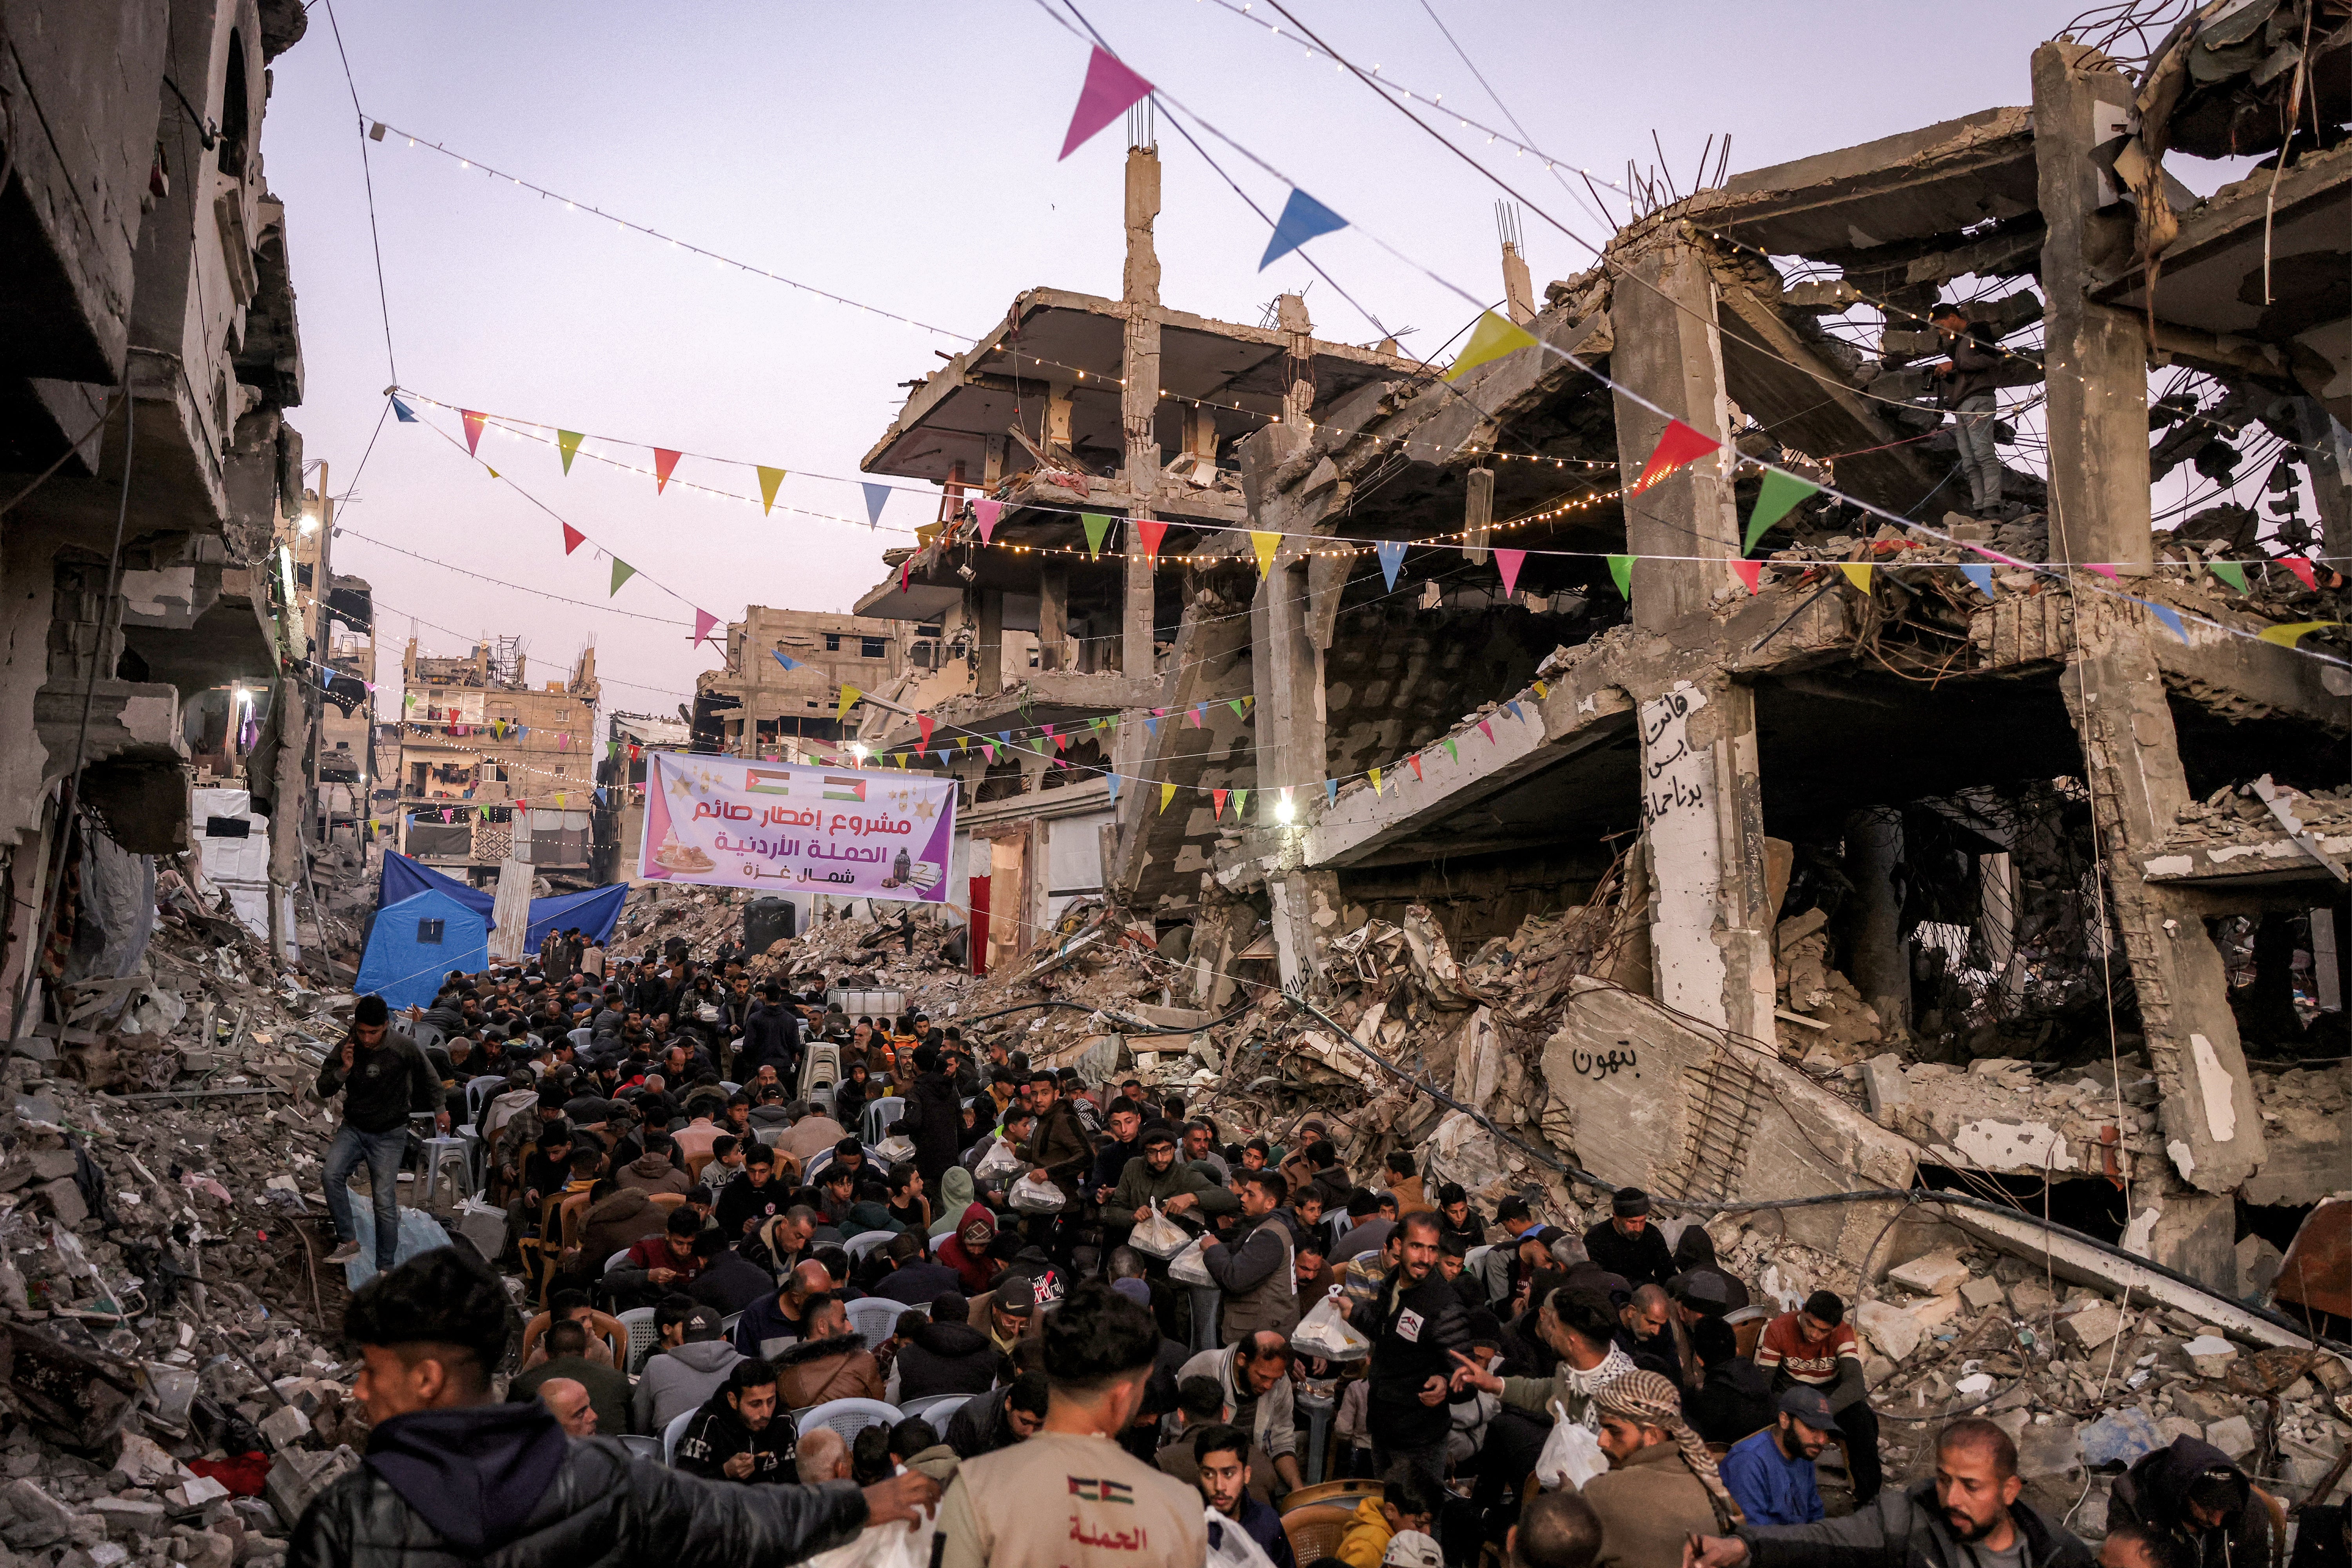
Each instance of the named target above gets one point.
<point>838,788</point>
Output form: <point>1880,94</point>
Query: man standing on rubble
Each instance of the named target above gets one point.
<point>383,1077</point>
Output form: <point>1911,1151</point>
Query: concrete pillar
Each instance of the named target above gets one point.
<point>1997,899</point>
<point>2096,355</point>
<point>287,807</point>
<point>1138,402</point>
<point>2324,443</point>
<point>1053,616</point>
<point>1702,816</point>
<point>2213,1127</point>
<point>1287,674</point>
<point>1669,352</point>
<point>1876,954</point>
<point>1477,514</point>
<point>987,673</point>
<point>1518,288</point>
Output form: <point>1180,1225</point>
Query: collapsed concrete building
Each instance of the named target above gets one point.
<point>1880,881</point>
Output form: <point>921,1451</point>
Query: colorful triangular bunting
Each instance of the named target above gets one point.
<point>1303,219</point>
<point>1391,554</point>
<point>572,539</point>
<point>1679,446</point>
<point>567,446</point>
<point>1110,90</point>
<point>1097,525</point>
<point>1780,494</point>
<point>770,481</point>
<point>1491,339</point>
<point>622,572</point>
<point>1508,562</point>
<point>473,423</point>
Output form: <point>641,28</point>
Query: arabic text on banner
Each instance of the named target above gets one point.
<point>724,822</point>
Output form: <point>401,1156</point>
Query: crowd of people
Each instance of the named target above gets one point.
<point>1136,1306</point>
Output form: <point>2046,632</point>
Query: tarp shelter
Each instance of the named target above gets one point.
<point>593,911</point>
<point>416,942</point>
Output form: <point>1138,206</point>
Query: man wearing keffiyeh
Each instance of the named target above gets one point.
<point>1661,1486</point>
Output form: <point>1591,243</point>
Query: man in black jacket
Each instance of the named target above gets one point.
<point>453,1477</point>
<point>947,1354</point>
<point>2191,1495</point>
<point>383,1076</point>
<point>735,1435</point>
<point>934,1116</point>
<point>1968,1514</point>
<point>1413,1321</point>
<point>1626,1243</point>
<point>771,1035</point>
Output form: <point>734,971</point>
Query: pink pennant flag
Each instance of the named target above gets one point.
<point>985,513</point>
<point>1486,730</point>
<point>988,750</point>
<point>1508,562</point>
<point>703,621</point>
<point>2103,568</point>
<point>665,460</point>
<point>1110,90</point>
<point>1752,572</point>
<point>473,423</point>
<point>2302,570</point>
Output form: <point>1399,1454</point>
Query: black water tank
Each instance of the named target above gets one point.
<point>767,919</point>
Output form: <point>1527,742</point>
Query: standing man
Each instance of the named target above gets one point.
<point>1222,1455</point>
<point>383,1077</point>
<point>1413,1320</point>
<point>1815,1346</point>
<point>1254,1274</point>
<point>1964,385</point>
<point>935,1112</point>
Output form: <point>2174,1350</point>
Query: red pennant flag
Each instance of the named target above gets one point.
<point>1680,446</point>
<point>572,539</point>
<point>664,461</point>
<point>1508,562</point>
<point>923,723</point>
<point>1110,91</point>
<point>703,621</point>
<point>473,423</point>
<point>1750,573</point>
<point>985,513</point>
<point>1061,743</point>
<point>1151,530</point>
<point>1218,795</point>
<point>1416,760</point>
<point>2302,570</point>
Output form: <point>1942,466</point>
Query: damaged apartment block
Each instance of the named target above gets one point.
<point>1842,880</point>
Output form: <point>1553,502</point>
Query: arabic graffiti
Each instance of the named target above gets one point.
<point>1598,1066</point>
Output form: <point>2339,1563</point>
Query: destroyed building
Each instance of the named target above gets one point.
<point>1904,874</point>
<point>493,769</point>
<point>784,673</point>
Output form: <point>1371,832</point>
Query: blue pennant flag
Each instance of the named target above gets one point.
<point>787,663</point>
<point>1005,736</point>
<point>1516,712</point>
<point>1391,554</point>
<point>1152,725</point>
<point>1330,791</point>
<point>400,411</point>
<point>1981,575</point>
<point>600,795</point>
<point>875,496</point>
<point>1303,217</point>
<point>2169,616</point>
<point>1112,779</point>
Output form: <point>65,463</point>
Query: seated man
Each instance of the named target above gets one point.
<point>735,1436</point>
<point>568,1403</point>
<point>916,1277</point>
<point>947,1354</point>
<point>1770,1473</point>
<point>1556,1530</point>
<point>1814,1345</point>
<point>1221,1459</point>
<point>687,1369</point>
<point>608,1391</point>
<point>2192,1495</point>
<point>822,1456</point>
<point>1411,1498</point>
<point>608,1337</point>
<point>723,1279</point>
<point>830,1363</point>
<point>1735,1397</point>
<point>658,1264</point>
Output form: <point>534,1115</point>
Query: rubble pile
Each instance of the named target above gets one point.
<point>2234,813</point>
<point>172,1395</point>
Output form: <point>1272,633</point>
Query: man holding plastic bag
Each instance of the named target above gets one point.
<point>1181,1193</point>
<point>1415,1321</point>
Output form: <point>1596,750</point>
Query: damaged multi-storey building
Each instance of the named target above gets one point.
<point>148,352</point>
<point>1805,878</point>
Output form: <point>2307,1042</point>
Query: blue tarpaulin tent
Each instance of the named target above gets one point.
<point>593,911</point>
<point>416,942</point>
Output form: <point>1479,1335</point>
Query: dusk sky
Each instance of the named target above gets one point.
<point>903,155</point>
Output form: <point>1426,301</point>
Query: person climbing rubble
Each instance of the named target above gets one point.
<point>384,1079</point>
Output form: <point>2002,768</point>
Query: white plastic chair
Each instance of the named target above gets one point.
<point>880,1113</point>
<point>847,1416</point>
<point>642,1446</point>
<point>865,1242</point>
<point>672,1433</point>
<point>873,1317</point>
<point>615,1261</point>
<point>730,1088</point>
<point>643,1335</point>
<point>936,1408</point>
<point>478,1091</point>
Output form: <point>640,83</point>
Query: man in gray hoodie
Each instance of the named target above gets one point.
<point>692,1362</point>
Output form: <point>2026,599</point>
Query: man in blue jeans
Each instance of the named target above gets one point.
<point>382,1077</point>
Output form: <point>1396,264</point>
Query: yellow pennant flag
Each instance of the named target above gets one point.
<point>1375,776</point>
<point>1491,339</point>
<point>770,479</point>
<point>849,695</point>
<point>1856,573</point>
<point>1541,689</point>
<point>1266,544</point>
<point>560,797</point>
<point>1167,794</point>
<point>2293,632</point>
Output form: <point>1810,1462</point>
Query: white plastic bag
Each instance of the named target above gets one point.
<point>1572,1456</point>
<point>1159,1235</point>
<point>1186,1267</point>
<point>896,1149</point>
<point>1035,1194</point>
<point>895,1545</point>
<point>1230,1545</point>
<point>998,1162</point>
<point>1325,1331</point>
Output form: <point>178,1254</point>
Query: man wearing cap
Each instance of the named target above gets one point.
<point>1515,1216</point>
<point>1005,1313</point>
<point>1814,1345</point>
<point>1770,1473</point>
<point>692,1362</point>
<point>1626,1244</point>
<point>383,1077</point>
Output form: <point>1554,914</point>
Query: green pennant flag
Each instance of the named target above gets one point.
<point>770,479</point>
<point>1097,525</point>
<point>567,443</point>
<point>1235,704</point>
<point>1780,493</point>
<point>2230,571</point>
<point>622,572</point>
<point>1452,749</point>
<point>1037,744</point>
<point>1621,570</point>
<point>1241,802</point>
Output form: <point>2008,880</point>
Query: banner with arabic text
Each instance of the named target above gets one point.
<point>725,822</point>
